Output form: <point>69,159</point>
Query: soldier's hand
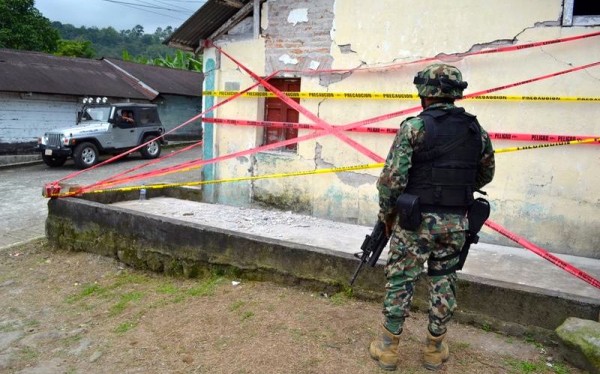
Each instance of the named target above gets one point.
<point>388,220</point>
<point>389,226</point>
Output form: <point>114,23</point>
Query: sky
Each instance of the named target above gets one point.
<point>120,14</point>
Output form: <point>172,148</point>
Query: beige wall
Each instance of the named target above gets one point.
<point>550,196</point>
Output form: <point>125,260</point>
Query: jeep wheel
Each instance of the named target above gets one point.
<point>54,161</point>
<point>85,155</point>
<point>152,149</point>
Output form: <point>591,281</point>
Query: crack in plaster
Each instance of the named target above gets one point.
<point>251,169</point>
<point>454,56</point>
<point>352,179</point>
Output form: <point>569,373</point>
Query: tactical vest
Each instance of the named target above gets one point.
<point>444,172</point>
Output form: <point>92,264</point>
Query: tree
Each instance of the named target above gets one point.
<point>75,48</point>
<point>22,26</point>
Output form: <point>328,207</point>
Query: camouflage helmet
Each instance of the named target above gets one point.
<point>440,80</point>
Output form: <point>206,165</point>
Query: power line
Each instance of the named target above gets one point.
<point>140,7</point>
<point>156,2</point>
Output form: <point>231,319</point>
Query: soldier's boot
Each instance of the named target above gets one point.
<point>385,349</point>
<point>436,351</point>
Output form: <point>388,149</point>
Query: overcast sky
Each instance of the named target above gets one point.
<point>120,14</point>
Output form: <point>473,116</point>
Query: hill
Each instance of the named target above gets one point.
<point>108,42</point>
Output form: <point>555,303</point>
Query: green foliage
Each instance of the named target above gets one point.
<point>180,60</point>
<point>75,48</point>
<point>22,26</point>
<point>130,45</point>
<point>108,42</point>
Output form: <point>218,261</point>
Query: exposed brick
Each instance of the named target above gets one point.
<point>303,39</point>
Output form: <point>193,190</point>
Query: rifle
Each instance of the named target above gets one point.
<point>371,248</point>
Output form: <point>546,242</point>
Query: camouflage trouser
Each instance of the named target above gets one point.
<point>439,235</point>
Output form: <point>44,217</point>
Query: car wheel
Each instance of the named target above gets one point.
<point>85,155</point>
<point>54,161</point>
<point>152,149</point>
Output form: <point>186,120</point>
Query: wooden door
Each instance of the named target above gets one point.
<point>278,111</point>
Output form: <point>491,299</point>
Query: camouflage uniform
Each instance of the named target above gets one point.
<point>440,234</point>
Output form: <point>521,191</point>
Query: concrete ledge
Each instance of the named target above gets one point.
<point>7,161</point>
<point>178,247</point>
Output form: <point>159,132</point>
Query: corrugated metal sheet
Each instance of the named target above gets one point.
<point>212,15</point>
<point>164,80</point>
<point>24,71</point>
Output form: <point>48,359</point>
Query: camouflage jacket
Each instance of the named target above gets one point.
<point>410,138</point>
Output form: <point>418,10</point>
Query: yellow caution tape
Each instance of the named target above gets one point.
<point>395,96</point>
<point>240,179</point>
<point>307,172</point>
<point>524,148</point>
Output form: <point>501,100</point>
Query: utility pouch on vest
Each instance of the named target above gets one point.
<point>409,212</point>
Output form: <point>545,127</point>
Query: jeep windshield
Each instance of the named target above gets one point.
<point>95,114</point>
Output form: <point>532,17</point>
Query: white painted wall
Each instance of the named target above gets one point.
<point>550,196</point>
<point>25,118</point>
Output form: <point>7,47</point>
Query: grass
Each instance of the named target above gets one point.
<point>247,315</point>
<point>167,289</point>
<point>236,305</point>
<point>28,353</point>
<point>526,367</point>
<point>340,298</point>
<point>205,288</point>
<point>120,306</point>
<point>126,326</point>
<point>87,291</point>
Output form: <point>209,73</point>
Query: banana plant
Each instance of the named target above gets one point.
<point>181,60</point>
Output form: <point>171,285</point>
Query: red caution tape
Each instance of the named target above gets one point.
<point>539,137</point>
<point>316,134</point>
<point>452,56</point>
<point>320,122</point>
<point>545,254</point>
<point>393,131</point>
<point>440,56</point>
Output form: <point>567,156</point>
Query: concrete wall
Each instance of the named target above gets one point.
<point>549,196</point>
<point>24,118</point>
<point>175,110</point>
<point>175,247</point>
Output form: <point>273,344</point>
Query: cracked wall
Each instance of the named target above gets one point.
<point>550,196</point>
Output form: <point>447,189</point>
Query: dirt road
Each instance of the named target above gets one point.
<point>65,312</point>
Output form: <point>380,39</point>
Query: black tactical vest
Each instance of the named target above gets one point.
<point>443,173</point>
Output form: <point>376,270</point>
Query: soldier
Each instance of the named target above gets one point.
<point>437,160</point>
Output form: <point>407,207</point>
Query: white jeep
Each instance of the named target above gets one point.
<point>104,128</point>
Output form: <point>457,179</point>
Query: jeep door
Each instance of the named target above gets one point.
<point>125,134</point>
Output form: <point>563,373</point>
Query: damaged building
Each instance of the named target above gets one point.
<point>351,61</point>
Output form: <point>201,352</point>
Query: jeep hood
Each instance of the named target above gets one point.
<point>84,128</point>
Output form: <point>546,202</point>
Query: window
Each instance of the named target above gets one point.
<point>581,13</point>
<point>148,116</point>
<point>278,111</point>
